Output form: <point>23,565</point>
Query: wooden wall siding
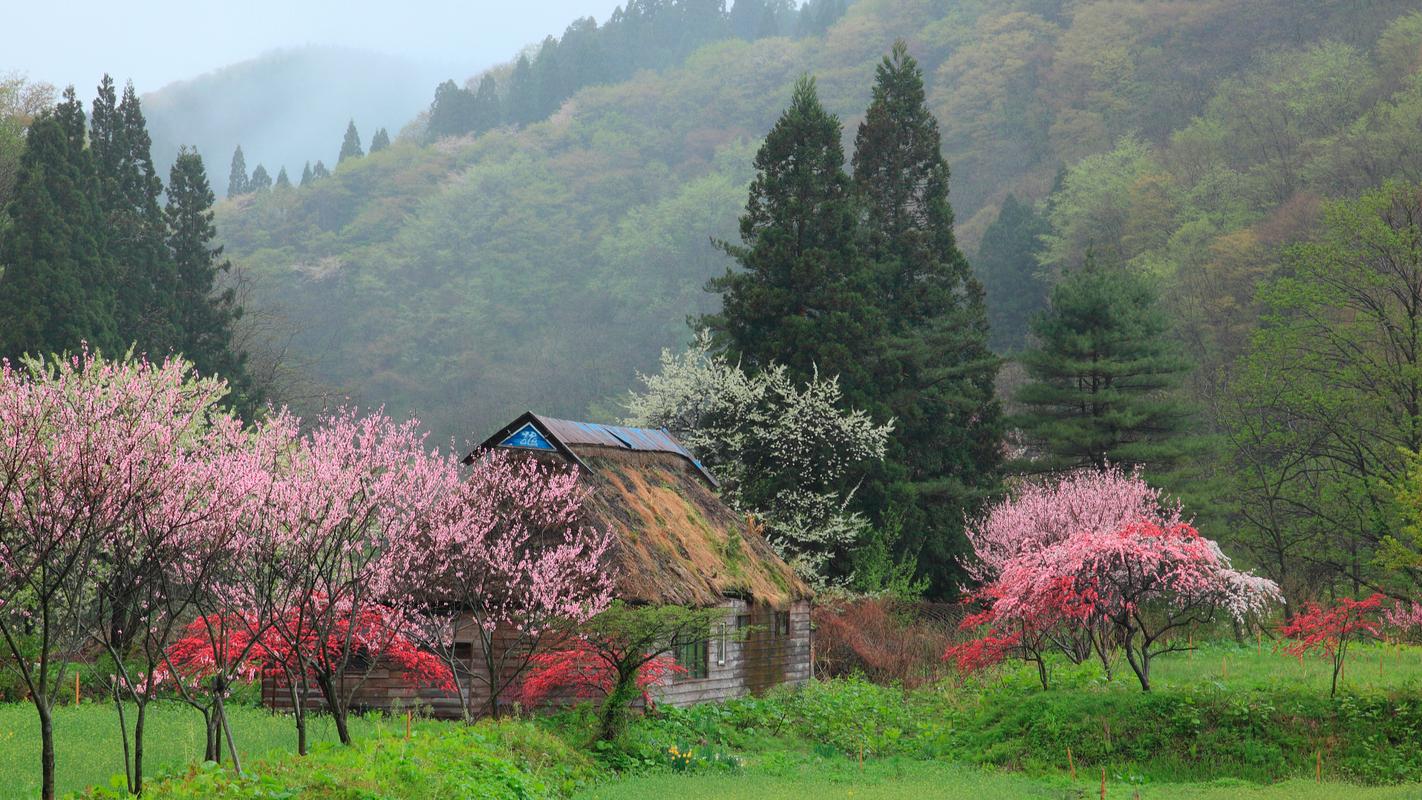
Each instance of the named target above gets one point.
<point>752,666</point>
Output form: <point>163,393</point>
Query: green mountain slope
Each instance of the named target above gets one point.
<point>469,279</point>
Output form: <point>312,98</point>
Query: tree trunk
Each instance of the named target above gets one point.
<point>227,730</point>
<point>298,712</point>
<point>138,747</point>
<point>46,747</point>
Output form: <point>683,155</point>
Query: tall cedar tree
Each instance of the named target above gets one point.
<point>319,171</point>
<point>1008,268</point>
<point>378,142</point>
<point>488,111</point>
<point>261,180</point>
<point>237,176</point>
<point>523,93</point>
<point>207,312</point>
<point>129,190</point>
<point>306,176</point>
<point>1101,374</point>
<point>799,297</point>
<point>56,287</point>
<point>932,372</point>
<point>282,181</point>
<point>350,146</point>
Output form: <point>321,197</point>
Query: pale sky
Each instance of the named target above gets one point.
<point>155,42</point>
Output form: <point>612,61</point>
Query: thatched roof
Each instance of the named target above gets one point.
<point>676,540</point>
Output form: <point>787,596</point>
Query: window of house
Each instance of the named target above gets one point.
<point>743,621</point>
<point>692,654</point>
<point>782,623</point>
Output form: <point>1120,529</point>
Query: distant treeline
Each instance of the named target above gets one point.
<point>645,34</point>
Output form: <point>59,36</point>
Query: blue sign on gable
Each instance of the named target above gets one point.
<point>528,438</point>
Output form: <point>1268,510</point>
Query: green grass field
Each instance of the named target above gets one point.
<point>89,751</point>
<point>919,780</point>
<point>1005,723</point>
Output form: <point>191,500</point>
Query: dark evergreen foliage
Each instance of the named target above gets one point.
<point>56,288</point>
<point>378,142</point>
<point>282,181</point>
<point>1008,268</point>
<point>206,311</point>
<point>350,145</point>
<point>319,171</point>
<point>306,176</point>
<point>932,372</point>
<point>1102,370</point>
<point>129,191</point>
<point>799,295</point>
<point>260,181</point>
<point>237,180</point>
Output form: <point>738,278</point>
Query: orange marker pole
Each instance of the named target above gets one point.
<point>1071,765</point>
<point>1103,783</point>
<point>408,715</point>
<point>76,688</point>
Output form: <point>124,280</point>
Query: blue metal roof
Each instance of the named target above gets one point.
<point>569,432</point>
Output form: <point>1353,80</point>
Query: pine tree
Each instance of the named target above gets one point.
<point>55,288</point>
<point>237,182</point>
<point>1011,276</point>
<point>129,190</point>
<point>798,297</point>
<point>282,181</point>
<point>319,171</point>
<point>261,181</point>
<point>306,176</point>
<point>350,146</point>
<point>487,111</point>
<point>523,93</point>
<point>206,312</point>
<point>1101,373</point>
<point>379,141</point>
<point>932,372</point>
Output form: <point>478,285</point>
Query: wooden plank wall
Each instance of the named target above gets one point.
<point>761,660</point>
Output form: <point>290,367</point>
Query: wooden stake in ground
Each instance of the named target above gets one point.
<point>1103,783</point>
<point>1224,667</point>
<point>408,718</point>
<point>1318,766</point>
<point>76,688</point>
<point>1071,765</point>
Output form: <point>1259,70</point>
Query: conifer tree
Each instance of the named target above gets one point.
<point>319,171</point>
<point>306,176</point>
<point>1011,275</point>
<point>282,181</point>
<point>350,146</point>
<point>486,110</point>
<point>237,178</point>
<point>932,371</point>
<point>55,288</point>
<point>129,190</point>
<point>1101,373</point>
<point>207,311</point>
<point>523,93</point>
<point>379,141</point>
<point>261,181</point>
<point>798,297</point>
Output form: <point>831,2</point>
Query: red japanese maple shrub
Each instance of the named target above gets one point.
<point>1328,630</point>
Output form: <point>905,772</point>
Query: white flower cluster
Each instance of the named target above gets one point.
<point>781,451</point>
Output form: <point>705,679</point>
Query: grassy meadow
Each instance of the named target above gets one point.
<point>1227,721</point>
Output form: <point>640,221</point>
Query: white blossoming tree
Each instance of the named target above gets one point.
<point>783,453</point>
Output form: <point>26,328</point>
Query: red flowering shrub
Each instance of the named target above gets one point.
<point>579,672</point>
<point>1330,629</point>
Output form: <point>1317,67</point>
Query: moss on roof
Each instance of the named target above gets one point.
<point>676,540</point>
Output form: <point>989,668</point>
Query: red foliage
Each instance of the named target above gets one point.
<point>373,636</point>
<point>983,652</point>
<point>1330,628</point>
<point>579,672</point>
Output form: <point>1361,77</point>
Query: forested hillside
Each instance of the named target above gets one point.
<point>543,265</point>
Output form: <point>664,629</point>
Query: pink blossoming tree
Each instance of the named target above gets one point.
<point>507,566</point>
<point>1100,552</point>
